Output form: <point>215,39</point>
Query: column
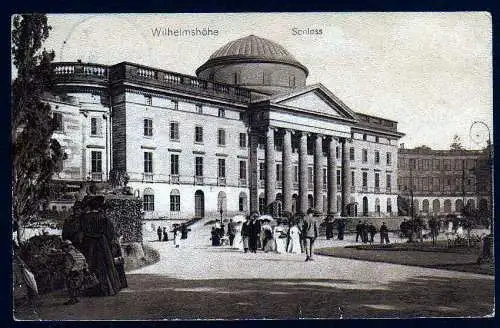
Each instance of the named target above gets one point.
<point>253,169</point>
<point>332,176</point>
<point>318,173</point>
<point>270,168</point>
<point>302,172</point>
<point>346,175</point>
<point>287,171</point>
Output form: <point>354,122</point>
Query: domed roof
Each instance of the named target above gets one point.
<point>252,48</point>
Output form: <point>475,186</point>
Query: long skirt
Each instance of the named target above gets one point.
<point>246,242</point>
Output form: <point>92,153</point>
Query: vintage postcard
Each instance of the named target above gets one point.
<point>252,166</point>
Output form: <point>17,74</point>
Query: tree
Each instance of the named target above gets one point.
<point>35,154</point>
<point>456,144</point>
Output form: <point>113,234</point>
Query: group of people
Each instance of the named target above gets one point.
<point>93,252</point>
<point>289,235</point>
<point>367,231</point>
<point>179,232</point>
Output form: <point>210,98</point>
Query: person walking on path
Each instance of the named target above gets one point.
<point>177,236</point>
<point>364,232</point>
<point>231,231</point>
<point>372,230</point>
<point>74,265</point>
<point>159,232</point>
<point>359,231</point>
<point>329,228</point>
<point>245,235</point>
<point>384,234</point>
<point>255,228</point>
<point>309,231</point>
<point>294,245</point>
<point>341,228</point>
<point>165,234</point>
<point>280,237</point>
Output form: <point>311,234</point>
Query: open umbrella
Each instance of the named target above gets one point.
<point>265,217</point>
<point>239,218</point>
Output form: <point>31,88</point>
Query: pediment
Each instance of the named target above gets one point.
<point>318,100</point>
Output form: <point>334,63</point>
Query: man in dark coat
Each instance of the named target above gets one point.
<point>231,231</point>
<point>372,230</point>
<point>364,232</point>
<point>341,228</point>
<point>255,228</point>
<point>329,228</point>
<point>384,234</point>
<point>159,232</point>
<point>359,231</point>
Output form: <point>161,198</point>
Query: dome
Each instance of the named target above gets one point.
<point>252,48</point>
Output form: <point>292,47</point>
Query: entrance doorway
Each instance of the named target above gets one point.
<point>199,204</point>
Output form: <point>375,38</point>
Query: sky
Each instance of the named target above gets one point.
<point>430,72</point>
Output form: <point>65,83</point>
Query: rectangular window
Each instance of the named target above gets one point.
<point>242,116</point>
<point>198,134</point>
<point>198,166</point>
<point>278,172</point>
<point>389,159</point>
<point>96,162</point>
<point>148,162</point>
<point>376,139</point>
<point>339,178</point>
<point>365,179</point>
<point>337,152</point>
<point>262,171</point>
<point>95,126</point>
<point>221,137</point>
<point>58,121</point>
<point>222,112</point>
<point>351,154</point>
<point>174,164</point>
<point>175,203</point>
<point>377,157</point>
<point>266,78</point>
<point>388,181</point>
<point>148,100</point>
<point>364,137</point>
<point>243,170</point>
<point>199,109</point>
<point>353,179</point>
<point>222,168</point>
<point>243,140</point>
<point>295,174</point>
<point>148,127</point>
<point>310,175</point>
<point>365,156</point>
<point>148,202</point>
<point>174,131</point>
<point>377,180</point>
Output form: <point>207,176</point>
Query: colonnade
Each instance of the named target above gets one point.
<point>287,166</point>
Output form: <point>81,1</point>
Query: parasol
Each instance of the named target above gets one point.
<point>239,218</point>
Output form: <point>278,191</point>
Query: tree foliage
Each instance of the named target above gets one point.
<point>35,154</point>
<point>456,143</point>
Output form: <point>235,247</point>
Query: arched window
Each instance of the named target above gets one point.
<point>436,206</point>
<point>459,205</point>
<point>148,200</point>
<point>447,206</point>
<point>175,200</point>
<point>242,202</point>
<point>425,206</point>
<point>377,206</point>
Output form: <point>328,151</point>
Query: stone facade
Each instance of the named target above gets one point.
<point>443,181</point>
<point>194,147</point>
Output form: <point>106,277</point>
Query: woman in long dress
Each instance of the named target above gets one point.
<point>238,241</point>
<point>294,244</point>
<point>280,237</point>
<point>177,237</point>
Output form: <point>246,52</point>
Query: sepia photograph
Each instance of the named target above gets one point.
<point>235,166</point>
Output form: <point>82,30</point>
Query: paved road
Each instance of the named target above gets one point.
<point>200,281</point>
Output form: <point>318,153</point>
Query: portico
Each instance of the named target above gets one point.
<point>308,141</point>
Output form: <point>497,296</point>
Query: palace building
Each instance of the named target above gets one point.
<point>444,181</point>
<point>244,133</point>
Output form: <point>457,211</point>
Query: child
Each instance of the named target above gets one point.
<point>74,265</point>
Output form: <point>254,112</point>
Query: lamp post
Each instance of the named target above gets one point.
<point>475,135</point>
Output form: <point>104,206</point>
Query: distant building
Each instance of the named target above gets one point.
<point>246,133</point>
<point>443,181</point>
